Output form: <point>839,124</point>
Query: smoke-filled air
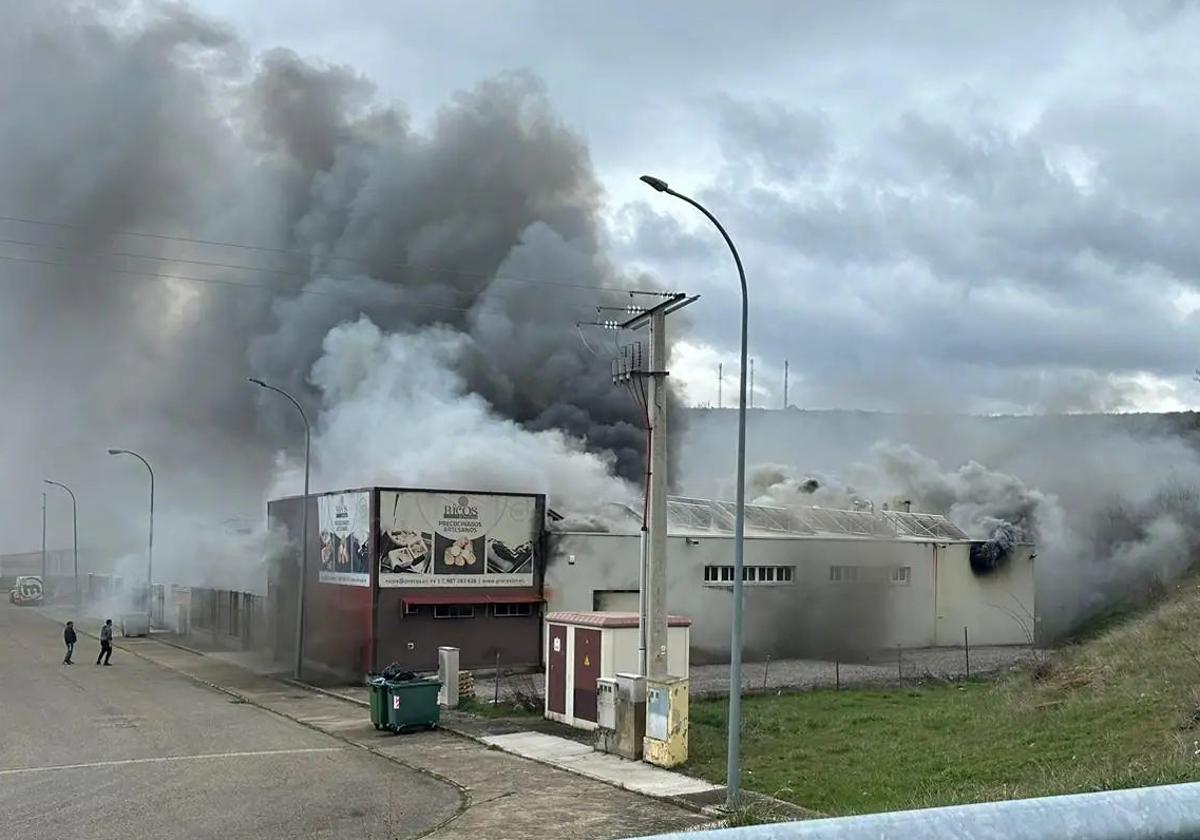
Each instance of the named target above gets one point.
<point>417,287</point>
<point>179,213</point>
<point>1110,503</point>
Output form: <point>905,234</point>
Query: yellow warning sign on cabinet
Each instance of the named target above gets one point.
<point>587,661</point>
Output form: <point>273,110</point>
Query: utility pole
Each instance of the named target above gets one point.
<point>74,534</point>
<point>649,387</point>
<point>43,542</point>
<point>752,383</point>
<point>785,383</point>
<point>720,382</point>
<point>298,670</point>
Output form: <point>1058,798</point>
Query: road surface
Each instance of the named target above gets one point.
<point>136,750</point>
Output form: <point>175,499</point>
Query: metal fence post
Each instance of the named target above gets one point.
<point>967,651</point>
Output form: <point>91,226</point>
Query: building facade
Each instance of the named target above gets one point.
<point>396,573</point>
<point>818,584</point>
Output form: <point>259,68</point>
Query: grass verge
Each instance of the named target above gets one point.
<point>1120,710</point>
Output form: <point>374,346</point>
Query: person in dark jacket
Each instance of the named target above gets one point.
<point>105,643</point>
<point>69,638</point>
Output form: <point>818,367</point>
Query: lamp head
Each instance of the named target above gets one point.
<point>115,451</point>
<point>658,183</point>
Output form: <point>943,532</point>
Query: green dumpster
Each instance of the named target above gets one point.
<point>412,703</point>
<point>379,701</point>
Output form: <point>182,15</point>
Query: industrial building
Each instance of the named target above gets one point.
<point>395,573</point>
<point>818,582</point>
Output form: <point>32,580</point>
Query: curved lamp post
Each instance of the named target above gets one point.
<point>304,527</point>
<point>74,532</point>
<point>733,768</point>
<point>150,553</point>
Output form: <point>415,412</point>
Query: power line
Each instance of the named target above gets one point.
<point>268,288</point>
<point>303,255</point>
<point>280,272</point>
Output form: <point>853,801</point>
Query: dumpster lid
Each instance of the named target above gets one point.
<point>524,596</point>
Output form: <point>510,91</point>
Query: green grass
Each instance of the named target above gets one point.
<point>1122,709</point>
<point>485,708</point>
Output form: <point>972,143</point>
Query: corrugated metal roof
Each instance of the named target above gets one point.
<point>686,515</point>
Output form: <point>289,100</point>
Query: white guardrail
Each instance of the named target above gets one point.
<point>1151,813</point>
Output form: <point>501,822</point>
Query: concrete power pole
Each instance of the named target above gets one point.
<point>43,542</point>
<point>785,382</point>
<point>650,386</point>
<point>720,382</point>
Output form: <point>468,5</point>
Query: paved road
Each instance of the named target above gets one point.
<point>136,750</point>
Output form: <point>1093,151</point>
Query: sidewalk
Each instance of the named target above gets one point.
<point>538,740</point>
<point>504,794</point>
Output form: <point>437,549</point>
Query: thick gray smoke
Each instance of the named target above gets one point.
<point>456,256</point>
<point>1110,503</point>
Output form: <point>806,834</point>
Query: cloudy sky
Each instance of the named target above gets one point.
<point>966,206</point>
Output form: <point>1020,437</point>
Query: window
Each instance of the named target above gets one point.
<point>902,575</point>
<point>843,574</point>
<point>412,609</point>
<point>511,610</point>
<point>757,575</point>
<point>453,611</point>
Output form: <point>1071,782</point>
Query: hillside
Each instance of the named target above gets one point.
<point>1118,710</point>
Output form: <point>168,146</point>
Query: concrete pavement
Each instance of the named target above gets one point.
<point>503,796</point>
<point>135,750</point>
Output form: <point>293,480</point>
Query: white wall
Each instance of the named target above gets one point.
<point>811,616</point>
<point>996,608</point>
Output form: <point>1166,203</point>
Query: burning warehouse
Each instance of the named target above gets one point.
<point>818,582</point>
<point>395,573</point>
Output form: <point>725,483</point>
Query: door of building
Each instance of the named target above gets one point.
<point>556,668</point>
<point>587,671</point>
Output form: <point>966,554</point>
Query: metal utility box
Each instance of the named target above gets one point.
<point>666,742</point>
<point>135,624</point>
<point>583,647</point>
<point>448,674</point>
<point>606,703</point>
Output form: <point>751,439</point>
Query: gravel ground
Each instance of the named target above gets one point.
<point>799,674</point>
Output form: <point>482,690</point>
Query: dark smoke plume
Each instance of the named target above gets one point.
<point>419,290</point>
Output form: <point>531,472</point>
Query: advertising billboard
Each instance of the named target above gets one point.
<point>344,525</point>
<point>456,539</point>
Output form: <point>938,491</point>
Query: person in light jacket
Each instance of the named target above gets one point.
<point>105,643</point>
<point>69,638</point>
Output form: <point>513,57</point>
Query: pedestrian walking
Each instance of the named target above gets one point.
<point>69,638</point>
<point>105,643</point>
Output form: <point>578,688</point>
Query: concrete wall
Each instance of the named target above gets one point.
<point>337,619</point>
<point>996,608</point>
<point>812,615</point>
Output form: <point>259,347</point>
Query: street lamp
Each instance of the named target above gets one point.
<point>74,532</point>
<point>303,527</point>
<point>150,553</point>
<point>733,769</point>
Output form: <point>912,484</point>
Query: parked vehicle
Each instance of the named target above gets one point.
<point>27,592</point>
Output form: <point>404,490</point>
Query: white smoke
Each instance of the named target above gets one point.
<point>1107,543</point>
<point>395,410</point>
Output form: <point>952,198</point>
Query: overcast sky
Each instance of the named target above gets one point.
<point>984,207</point>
